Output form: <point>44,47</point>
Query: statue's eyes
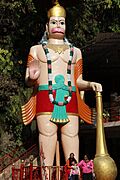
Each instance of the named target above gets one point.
<point>62,22</point>
<point>53,22</point>
<point>57,22</point>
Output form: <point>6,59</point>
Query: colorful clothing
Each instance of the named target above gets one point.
<point>87,169</point>
<point>36,106</point>
<point>47,106</point>
<point>74,172</point>
<point>69,164</point>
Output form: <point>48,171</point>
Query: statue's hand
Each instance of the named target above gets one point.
<point>96,86</point>
<point>34,70</point>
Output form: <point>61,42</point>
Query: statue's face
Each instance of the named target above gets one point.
<point>56,27</point>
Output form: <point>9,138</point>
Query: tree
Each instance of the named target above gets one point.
<point>94,17</point>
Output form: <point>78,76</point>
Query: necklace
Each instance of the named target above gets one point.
<point>58,48</point>
<point>52,100</point>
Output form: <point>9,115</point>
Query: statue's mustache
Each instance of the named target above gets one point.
<point>58,30</point>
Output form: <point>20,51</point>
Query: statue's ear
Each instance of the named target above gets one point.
<point>47,27</point>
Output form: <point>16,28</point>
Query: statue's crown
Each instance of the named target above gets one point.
<point>57,10</point>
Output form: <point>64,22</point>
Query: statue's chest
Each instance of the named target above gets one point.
<point>58,61</point>
<point>61,58</point>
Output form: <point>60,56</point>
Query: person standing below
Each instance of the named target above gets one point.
<point>71,159</point>
<point>75,171</point>
<point>69,163</point>
<point>86,167</point>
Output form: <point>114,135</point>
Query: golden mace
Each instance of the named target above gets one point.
<point>104,166</point>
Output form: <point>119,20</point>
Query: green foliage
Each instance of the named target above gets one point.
<point>90,17</point>
<point>111,3</point>
<point>11,99</point>
<point>114,27</point>
<point>6,65</point>
<point>8,88</point>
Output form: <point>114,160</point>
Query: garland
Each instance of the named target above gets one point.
<point>52,100</point>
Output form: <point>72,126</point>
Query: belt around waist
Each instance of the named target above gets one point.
<point>45,87</point>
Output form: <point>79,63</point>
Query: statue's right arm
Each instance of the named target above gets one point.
<point>33,67</point>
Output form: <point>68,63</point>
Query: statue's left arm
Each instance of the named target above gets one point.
<point>85,112</point>
<point>84,85</point>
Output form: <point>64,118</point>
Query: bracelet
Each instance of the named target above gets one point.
<point>33,81</point>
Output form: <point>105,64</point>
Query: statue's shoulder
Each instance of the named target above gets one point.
<point>77,49</point>
<point>36,47</point>
<point>77,53</point>
<point>36,51</point>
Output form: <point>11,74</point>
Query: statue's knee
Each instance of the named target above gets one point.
<point>70,133</point>
<point>51,131</point>
<point>45,127</point>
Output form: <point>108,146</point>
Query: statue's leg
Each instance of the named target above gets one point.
<point>69,137</point>
<point>47,138</point>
